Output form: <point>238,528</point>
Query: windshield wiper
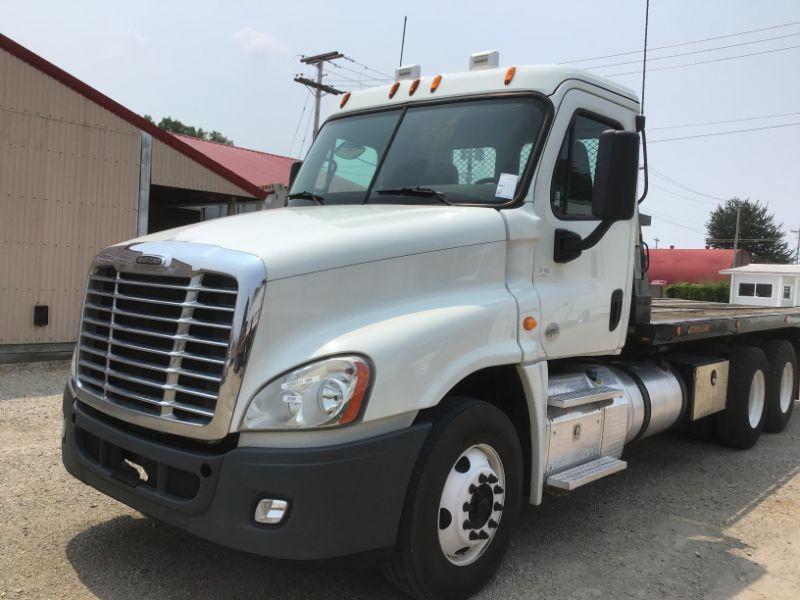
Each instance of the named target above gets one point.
<point>416,191</point>
<point>306,196</point>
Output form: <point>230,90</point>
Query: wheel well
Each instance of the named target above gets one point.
<point>502,388</point>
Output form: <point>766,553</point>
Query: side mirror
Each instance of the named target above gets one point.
<point>613,195</point>
<point>293,170</point>
<point>616,173</point>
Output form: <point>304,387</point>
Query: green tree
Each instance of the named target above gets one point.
<point>758,232</point>
<point>176,126</point>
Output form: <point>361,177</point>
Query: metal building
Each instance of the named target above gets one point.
<point>78,172</point>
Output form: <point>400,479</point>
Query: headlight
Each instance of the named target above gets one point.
<point>326,393</point>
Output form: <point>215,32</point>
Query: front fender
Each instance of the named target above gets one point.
<point>426,321</point>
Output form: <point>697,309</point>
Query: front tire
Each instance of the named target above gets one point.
<point>461,505</point>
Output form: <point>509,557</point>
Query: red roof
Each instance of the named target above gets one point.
<point>675,265</point>
<point>259,168</point>
<point>131,117</point>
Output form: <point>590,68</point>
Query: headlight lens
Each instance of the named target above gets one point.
<point>326,393</point>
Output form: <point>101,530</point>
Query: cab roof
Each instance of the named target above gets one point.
<point>544,79</point>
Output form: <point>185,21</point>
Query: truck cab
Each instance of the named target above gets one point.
<point>433,330</point>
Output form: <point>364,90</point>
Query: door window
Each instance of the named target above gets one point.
<point>573,180</point>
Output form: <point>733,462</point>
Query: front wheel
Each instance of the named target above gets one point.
<point>461,505</point>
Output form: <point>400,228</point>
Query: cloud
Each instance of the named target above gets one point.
<point>258,42</point>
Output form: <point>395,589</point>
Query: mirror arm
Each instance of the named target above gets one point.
<point>568,245</point>
<point>640,128</point>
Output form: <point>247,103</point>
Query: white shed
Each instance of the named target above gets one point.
<point>765,285</point>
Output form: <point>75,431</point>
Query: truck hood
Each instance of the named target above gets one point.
<point>294,241</point>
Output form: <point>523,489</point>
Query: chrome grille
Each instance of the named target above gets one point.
<point>157,344</point>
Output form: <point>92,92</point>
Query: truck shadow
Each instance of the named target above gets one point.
<point>665,527</point>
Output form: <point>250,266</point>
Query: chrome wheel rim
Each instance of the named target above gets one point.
<point>787,385</point>
<point>755,403</point>
<point>471,504</point>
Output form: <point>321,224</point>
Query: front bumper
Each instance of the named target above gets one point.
<point>343,499</point>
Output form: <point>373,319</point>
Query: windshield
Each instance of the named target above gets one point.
<point>472,152</point>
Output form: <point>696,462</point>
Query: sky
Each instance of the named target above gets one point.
<point>230,65</point>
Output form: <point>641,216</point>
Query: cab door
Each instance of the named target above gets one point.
<point>585,302</point>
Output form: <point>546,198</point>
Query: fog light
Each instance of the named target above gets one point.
<point>271,511</point>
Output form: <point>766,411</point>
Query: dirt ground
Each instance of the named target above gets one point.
<point>686,520</point>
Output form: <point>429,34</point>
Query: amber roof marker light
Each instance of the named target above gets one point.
<point>435,83</point>
<point>345,98</point>
<point>393,89</point>
<point>510,74</point>
<point>413,88</point>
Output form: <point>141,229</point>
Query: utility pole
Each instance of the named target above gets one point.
<point>797,251</point>
<point>657,240</point>
<point>318,61</point>
<point>736,235</point>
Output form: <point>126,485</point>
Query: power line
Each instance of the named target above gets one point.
<point>634,62</point>
<point>361,73</point>
<point>668,220</point>
<point>354,61</point>
<point>775,116</point>
<point>709,39</point>
<point>299,121</point>
<point>682,196</point>
<point>700,135</point>
<point>658,173</point>
<point>703,62</point>
<point>305,135</point>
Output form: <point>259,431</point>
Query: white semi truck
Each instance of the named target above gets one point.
<point>451,316</point>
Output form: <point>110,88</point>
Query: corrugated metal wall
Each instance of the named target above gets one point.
<point>172,169</point>
<point>69,179</point>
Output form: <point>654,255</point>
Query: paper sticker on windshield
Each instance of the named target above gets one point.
<point>506,185</point>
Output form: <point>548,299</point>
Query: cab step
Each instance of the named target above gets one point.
<point>586,473</point>
<point>584,396</point>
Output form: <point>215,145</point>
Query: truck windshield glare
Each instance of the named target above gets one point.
<point>469,152</point>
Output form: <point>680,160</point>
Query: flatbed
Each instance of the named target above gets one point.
<point>674,320</point>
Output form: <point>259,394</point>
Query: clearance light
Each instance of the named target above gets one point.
<point>435,83</point>
<point>345,98</point>
<point>529,323</point>
<point>413,88</point>
<point>510,74</point>
<point>393,89</point>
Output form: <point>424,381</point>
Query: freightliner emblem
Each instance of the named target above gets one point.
<point>150,259</point>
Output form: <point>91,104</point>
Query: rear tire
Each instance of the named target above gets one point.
<point>742,421</point>
<point>782,381</point>
<point>454,499</point>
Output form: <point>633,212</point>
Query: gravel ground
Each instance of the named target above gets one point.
<point>686,520</point>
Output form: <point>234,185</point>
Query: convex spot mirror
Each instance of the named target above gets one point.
<point>294,169</point>
<point>349,151</point>
<point>616,173</point>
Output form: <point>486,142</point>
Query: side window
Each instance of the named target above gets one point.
<point>787,292</point>
<point>474,164</point>
<point>764,290</point>
<point>747,289</point>
<point>573,180</point>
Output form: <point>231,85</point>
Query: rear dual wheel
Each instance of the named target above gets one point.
<point>461,505</point>
<point>742,421</point>
<point>782,384</point>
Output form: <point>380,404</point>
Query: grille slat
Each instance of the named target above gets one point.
<point>193,304</point>
<point>137,330</point>
<point>157,317</point>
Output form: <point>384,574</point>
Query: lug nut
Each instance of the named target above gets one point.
<point>466,525</point>
<point>492,479</point>
<point>466,507</point>
<point>498,489</point>
<point>483,535</point>
<point>492,524</point>
<point>498,506</point>
<point>472,489</point>
<point>482,478</point>
<point>473,535</point>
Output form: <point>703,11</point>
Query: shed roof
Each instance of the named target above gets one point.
<point>259,168</point>
<point>759,269</point>
<point>691,265</point>
<point>175,142</point>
